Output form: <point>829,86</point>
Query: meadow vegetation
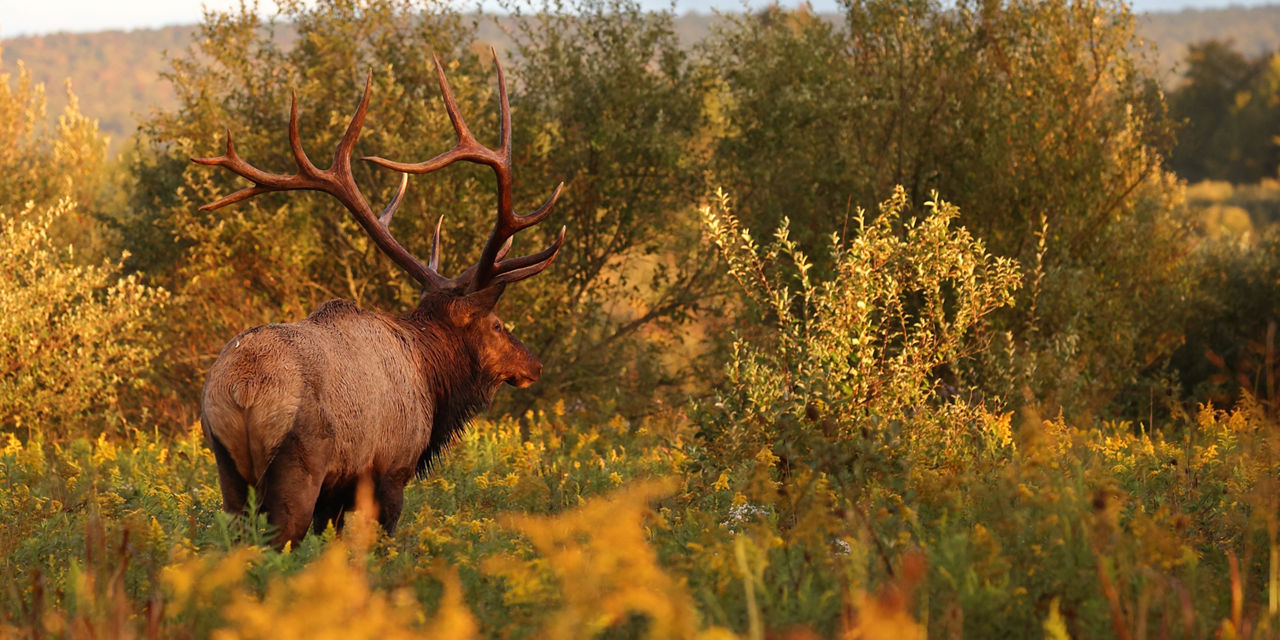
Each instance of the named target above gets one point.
<point>898,326</point>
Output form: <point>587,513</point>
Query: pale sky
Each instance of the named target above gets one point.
<point>32,17</point>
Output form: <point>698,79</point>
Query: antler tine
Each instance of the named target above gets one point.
<point>243,194</point>
<point>434,262</point>
<point>232,161</point>
<point>505,113</point>
<point>385,218</point>
<point>305,166</point>
<point>465,149</point>
<point>342,153</point>
<point>506,246</point>
<point>530,265</point>
<point>451,104</point>
<point>543,210</point>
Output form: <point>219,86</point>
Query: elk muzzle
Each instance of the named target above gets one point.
<point>527,376</point>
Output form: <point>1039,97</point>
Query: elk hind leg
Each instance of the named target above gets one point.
<point>235,490</point>
<point>291,485</point>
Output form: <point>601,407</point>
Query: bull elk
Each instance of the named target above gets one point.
<point>304,411</point>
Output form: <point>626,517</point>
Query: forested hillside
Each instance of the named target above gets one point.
<point>116,74</point>
<point>1253,30</point>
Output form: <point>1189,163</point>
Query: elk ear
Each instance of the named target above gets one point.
<point>477,304</point>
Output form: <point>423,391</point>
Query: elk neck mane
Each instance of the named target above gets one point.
<point>457,384</point>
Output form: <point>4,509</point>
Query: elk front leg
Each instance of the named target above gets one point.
<point>331,506</point>
<point>388,490</point>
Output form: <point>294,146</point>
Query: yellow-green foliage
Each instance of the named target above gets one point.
<point>75,330</point>
<point>72,336</point>
<point>901,513</point>
<point>44,164</point>
<point>146,510</point>
<point>581,528</point>
<point>904,298</point>
<point>331,598</point>
<point>855,473</point>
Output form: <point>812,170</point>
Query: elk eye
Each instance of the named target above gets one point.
<point>497,325</point>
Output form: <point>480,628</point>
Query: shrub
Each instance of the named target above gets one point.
<point>867,347</point>
<point>1230,345</point>
<point>44,164</point>
<point>75,341</point>
<point>838,388</point>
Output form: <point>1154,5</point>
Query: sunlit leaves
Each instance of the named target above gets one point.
<point>73,337</point>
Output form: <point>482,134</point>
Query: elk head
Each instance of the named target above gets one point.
<point>499,354</point>
<point>465,303</point>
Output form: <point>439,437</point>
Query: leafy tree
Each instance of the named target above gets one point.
<point>43,164</point>
<point>1230,107</point>
<point>1034,117</point>
<point>594,113</point>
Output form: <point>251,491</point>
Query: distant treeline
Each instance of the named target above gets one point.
<point>116,75</point>
<point>1228,105</point>
<point>1252,30</point>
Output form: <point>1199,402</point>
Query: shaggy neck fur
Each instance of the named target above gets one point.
<point>452,374</point>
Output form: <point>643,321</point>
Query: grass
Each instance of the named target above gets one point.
<point>587,527</point>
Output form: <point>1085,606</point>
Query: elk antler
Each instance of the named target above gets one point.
<point>492,269</point>
<point>336,181</point>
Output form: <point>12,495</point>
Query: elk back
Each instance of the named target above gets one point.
<point>347,376</point>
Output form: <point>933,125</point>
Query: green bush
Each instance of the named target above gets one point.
<point>1230,345</point>
<point>828,393</point>
<point>1223,101</point>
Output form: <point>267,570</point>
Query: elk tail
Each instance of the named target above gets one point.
<point>250,422</point>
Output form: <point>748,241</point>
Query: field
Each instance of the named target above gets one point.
<point>896,325</point>
<point>581,527</point>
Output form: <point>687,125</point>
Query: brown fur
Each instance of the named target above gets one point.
<point>303,411</point>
